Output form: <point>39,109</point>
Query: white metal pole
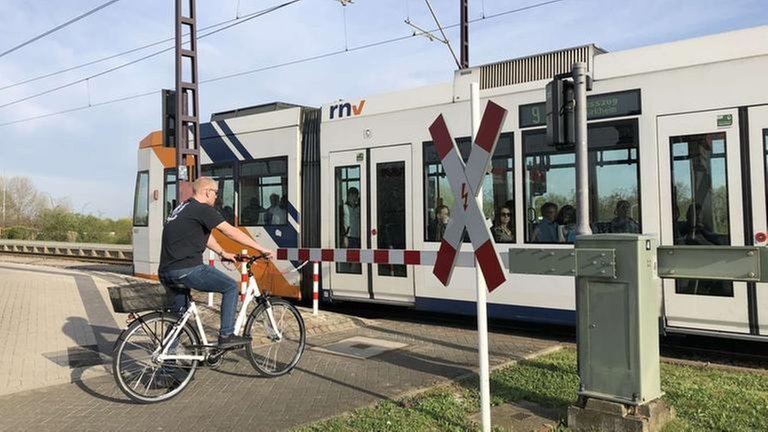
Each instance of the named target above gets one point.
<point>579,74</point>
<point>243,275</point>
<point>315,287</point>
<point>211,259</point>
<point>482,289</point>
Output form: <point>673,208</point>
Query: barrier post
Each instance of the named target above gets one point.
<point>211,260</point>
<point>243,275</point>
<point>315,287</point>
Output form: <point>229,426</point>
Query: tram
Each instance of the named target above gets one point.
<point>678,144</point>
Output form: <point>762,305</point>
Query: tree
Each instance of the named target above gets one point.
<point>23,201</point>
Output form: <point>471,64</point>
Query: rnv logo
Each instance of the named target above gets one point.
<point>347,109</point>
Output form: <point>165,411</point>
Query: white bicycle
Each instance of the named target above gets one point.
<point>156,356</point>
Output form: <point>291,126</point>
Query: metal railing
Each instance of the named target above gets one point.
<point>90,251</point>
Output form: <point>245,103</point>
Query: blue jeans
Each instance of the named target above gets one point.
<point>208,279</point>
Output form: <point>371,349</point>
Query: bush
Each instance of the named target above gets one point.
<point>19,233</point>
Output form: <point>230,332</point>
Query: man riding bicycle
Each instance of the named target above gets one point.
<point>186,234</point>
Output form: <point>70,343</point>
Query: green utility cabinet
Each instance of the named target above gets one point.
<point>618,328</point>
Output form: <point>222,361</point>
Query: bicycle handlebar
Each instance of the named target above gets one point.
<point>250,259</point>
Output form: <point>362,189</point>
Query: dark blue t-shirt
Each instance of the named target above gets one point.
<point>186,233</point>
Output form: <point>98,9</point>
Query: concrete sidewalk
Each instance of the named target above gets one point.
<point>57,324</point>
<point>53,324</point>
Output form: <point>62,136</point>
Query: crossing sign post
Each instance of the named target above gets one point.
<point>466,181</point>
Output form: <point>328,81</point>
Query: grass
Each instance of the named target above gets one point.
<point>705,399</point>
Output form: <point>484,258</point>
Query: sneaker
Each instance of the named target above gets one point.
<point>232,341</point>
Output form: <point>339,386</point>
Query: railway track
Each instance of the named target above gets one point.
<point>91,252</point>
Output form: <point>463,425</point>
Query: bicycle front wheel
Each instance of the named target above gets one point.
<point>274,351</point>
<point>134,360</point>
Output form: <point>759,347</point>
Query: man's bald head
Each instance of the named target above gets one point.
<point>206,190</point>
<point>202,183</point>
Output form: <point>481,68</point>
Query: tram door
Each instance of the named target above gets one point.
<point>758,144</point>
<point>372,210</point>
<point>349,220</point>
<point>392,220</point>
<point>701,205</point>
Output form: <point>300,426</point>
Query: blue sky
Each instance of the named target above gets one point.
<point>90,155</point>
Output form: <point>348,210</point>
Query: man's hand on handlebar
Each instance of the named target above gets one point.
<point>226,256</point>
<point>267,253</point>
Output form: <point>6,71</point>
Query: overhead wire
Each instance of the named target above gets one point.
<point>120,54</point>
<point>284,64</point>
<point>57,28</point>
<point>140,59</point>
<point>367,46</point>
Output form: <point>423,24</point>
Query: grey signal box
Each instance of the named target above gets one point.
<point>618,328</point>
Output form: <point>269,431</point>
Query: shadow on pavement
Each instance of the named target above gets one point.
<point>74,327</point>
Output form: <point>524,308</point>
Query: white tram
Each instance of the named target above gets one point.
<point>678,142</point>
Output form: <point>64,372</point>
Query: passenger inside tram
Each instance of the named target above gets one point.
<point>351,219</point>
<point>438,224</point>
<point>253,213</point>
<point>546,230</point>
<point>275,215</point>
<point>502,228</point>
<point>566,224</point>
<point>623,222</point>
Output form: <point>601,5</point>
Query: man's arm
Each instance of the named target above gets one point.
<point>235,234</point>
<point>218,250</point>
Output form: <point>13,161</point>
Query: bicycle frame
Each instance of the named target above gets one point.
<point>252,292</point>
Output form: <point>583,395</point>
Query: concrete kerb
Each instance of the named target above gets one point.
<point>442,383</point>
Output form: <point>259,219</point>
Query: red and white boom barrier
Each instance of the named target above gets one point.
<point>370,256</point>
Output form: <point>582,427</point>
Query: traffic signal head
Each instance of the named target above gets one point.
<point>561,130</point>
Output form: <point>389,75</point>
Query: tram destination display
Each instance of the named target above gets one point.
<point>607,105</point>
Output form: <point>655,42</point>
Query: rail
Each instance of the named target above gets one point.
<point>90,251</point>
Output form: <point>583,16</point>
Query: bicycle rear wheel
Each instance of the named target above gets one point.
<point>137,372</point>
<point>269,353</point>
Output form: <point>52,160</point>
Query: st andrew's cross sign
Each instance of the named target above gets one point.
<point>465,182</point>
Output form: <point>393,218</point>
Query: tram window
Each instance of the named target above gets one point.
<point>498,191</point>
<point>141,197</point>
<point>347,205</point>
<point>550,183</point>
<point>169,192</point>
<point>225,200</point>
<point>264,192</point>
<point>390,213</point>
<point>700,202</point>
